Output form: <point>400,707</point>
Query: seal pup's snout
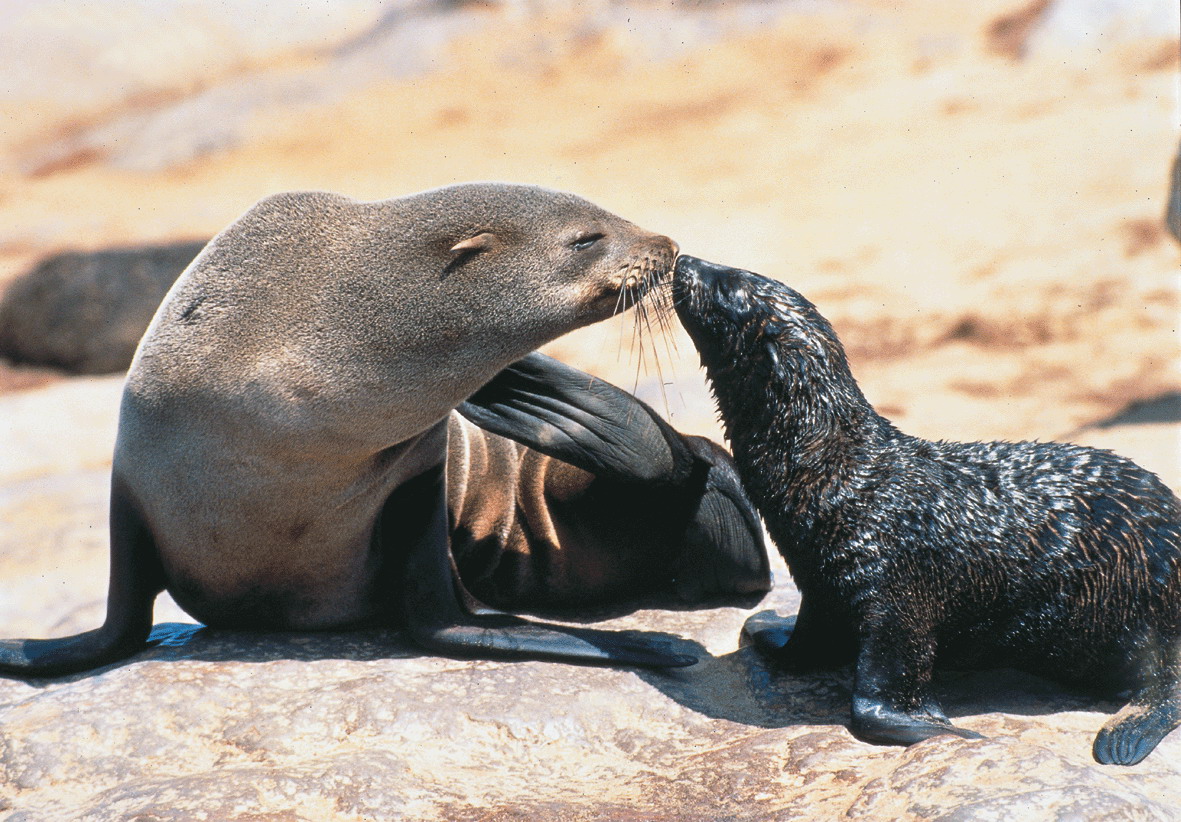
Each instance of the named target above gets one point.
<point>704,289</point>
<point>696,271</point>
<point>723,280</point>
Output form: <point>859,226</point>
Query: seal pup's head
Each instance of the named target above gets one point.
<point>747,327</point>
<point>767,351</point>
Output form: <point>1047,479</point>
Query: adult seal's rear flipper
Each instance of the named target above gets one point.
<point>724,551</point>
<point>574,417</point>
<point>691,482</point>
<point>439,615</point>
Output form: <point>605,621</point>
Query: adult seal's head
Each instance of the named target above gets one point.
<point>310,294</point>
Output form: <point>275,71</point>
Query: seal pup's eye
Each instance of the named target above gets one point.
<point>585,241</point>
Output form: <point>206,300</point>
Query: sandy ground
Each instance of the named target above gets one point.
<point>983,230</point>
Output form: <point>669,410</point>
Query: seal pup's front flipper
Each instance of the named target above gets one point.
<point>435,609</point>
<point>136,578</point>
<point>580,419</point>
<point>813,639</point>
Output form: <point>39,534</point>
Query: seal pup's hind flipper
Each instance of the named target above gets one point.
<point>135,580</point>
<point>436,611</point>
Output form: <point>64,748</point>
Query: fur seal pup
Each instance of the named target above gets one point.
<point>85,311</point>
<point>281,459</point>
<point>1056,559</point>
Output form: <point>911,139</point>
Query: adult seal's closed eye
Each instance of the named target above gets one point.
<point>1056,559</point>
<point>282,454</point>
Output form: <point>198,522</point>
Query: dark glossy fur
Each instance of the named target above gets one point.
<point>1056,559</point>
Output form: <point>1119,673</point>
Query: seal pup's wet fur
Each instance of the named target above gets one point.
<point>1052,558</point>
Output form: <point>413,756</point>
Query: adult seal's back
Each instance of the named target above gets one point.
<point>283,435</point>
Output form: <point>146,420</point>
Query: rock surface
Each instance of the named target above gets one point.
<point>85,311</point>
<point>360,726</point>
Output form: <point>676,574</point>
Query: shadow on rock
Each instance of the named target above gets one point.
<point>749,688</point>
<point>743,686</point>
<point>1163,409</point>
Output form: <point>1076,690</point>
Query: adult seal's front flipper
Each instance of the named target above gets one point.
<point>574,417</point>
<point>136,579</point>
<point>438,616</point>
<point>689,482</point>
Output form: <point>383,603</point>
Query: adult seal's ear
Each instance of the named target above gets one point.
<point>283,446</point>
<point>466,249</point>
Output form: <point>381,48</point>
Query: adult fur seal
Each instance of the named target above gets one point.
<point>281,460</point>
<point>85,311</point>
<point>1053,558</point>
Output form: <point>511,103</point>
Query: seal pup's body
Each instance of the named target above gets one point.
<point>1057,559</point>
<point>281,460</point>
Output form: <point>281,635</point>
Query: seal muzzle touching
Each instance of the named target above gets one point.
<point>1057,559</point>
